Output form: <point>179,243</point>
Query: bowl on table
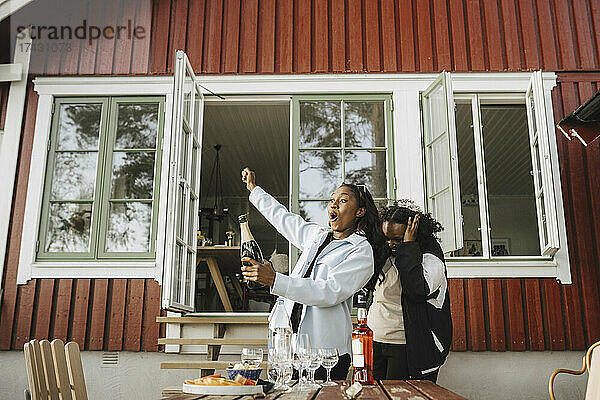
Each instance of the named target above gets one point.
<point>252,373</point>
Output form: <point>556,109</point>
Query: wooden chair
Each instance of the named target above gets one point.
<point>54,370</point>
<point>592,355</point>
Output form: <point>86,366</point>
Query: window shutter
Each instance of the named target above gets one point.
<point>541,166</point>
<point>179,279</point>
<point>442,186</point>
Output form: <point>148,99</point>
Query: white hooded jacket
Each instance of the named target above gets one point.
<point>343,267</point>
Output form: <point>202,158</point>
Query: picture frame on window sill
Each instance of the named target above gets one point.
<point>500,247</point>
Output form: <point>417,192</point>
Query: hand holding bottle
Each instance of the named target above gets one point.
<point>257,272</point>
<point>249,177</point>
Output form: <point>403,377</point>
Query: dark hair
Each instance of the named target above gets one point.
<point>428,226</point>
<point>370,224</point>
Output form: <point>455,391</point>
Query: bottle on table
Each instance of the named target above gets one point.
<point>249,248</point>
<point>280,330</point>
<point>362,345</point>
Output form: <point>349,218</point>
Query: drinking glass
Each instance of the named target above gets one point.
<point>315,363</point>
<point>273,368</point>
<point>301,358</point>
<point>252,356</point>
<point>329,358</point>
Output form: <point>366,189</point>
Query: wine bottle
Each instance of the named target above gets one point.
<point>249,248</point>
<point>362,346</point>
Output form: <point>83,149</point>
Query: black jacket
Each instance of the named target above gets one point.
<point>421,318</point>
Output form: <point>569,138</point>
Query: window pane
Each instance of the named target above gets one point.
<point>69,228</point>
<point>179,221</point>
<point>437,115</point>
<point>79,126</point>
<point>183,154</point>
<point>468,181</point>
<point>320,173</point>
<point>137,126</point>
<point>439,157</point>
<point>192,234</point>
<point>178,269</point>
<point>74,176</point>
<point>129,227</point>
<point>364,124</point>
<point>511,201</point>
<point>367,168</point>
<point>314,211</point>
<point>320,124</point>
<point>132,175</point>
<point>191,269</point>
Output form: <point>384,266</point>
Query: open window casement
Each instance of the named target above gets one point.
<point>184,183</point>
<point>542,168</point>
<point>442,186</point>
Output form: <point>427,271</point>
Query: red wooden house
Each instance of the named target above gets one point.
<point>107,143</point>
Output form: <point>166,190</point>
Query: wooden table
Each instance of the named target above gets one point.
<point>221,259</point>
<point>384,390</point>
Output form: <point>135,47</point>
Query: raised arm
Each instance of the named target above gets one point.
<point>343,280</point>
<point>292,226</point>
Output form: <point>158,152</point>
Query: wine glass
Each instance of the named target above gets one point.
<point>252,356</point>
<point>329,358</point>
<point>301,357</point>
<point>315,363</point>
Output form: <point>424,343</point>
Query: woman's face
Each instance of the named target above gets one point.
<point>343,210</point>
<point>394,233</point>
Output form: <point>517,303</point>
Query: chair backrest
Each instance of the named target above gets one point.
<point>76,371</point>
<point>593,365</point>
<point>54,370</point>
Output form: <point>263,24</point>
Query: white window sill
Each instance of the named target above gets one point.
<point>502,268</point>
<point>97,270</point>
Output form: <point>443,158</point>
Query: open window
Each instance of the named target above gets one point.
<point>542,168</point>
<point>442,186</point>
<point>183,189</point>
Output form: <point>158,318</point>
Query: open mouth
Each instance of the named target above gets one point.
<point>332,216</point>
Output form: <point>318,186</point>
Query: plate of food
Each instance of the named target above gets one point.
<point>216,384</point>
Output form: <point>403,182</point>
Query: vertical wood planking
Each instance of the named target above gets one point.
<point>159,40</point>
<point>134,314</point>
<point>116,315</point>
<point>41,327</point>
<point>407,40</point>
<point>302,23</point>
<point>388,36</point>
<point>248,36</point>
<point>80,311</point>
<point>553,315</point>
<point>535,326</point>
<point>70,59</point>
<point>371,39</point>
<point>337,30</point>
<point>195,34</point>
<point>516,326</point>
<point>320,37</point>
<point>565,36</point>
<point>213,32</point>
<point>583,29</point>
<point>475,318</point>
<point>87,58</point>
<point>442,38</point>
<point>457,309</point>
<point>106,46</point>
<point>495,315</point>
<point>492,34</point>
<point>284,36</point>
<point>231,35</point>
<point>124,44</point>
<point>595,13</point>
<point>459,38</point>
<point>178,31</point>
<point>141,46</point>
<point>25,307</point>
<point>424,42</point>
<point>151,328</point>
<point>62,309</point>
<point>266,36</point>
<point>475,35</point>
<point>511,37</point>
<point>529,34</point>
<point>98,316</point>
<point>354,37</point>
<point>547,36</point>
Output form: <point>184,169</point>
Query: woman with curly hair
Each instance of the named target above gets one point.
<point>410,312</point>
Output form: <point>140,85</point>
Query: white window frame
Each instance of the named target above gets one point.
<point>48,89</point>
<point>406,116</point>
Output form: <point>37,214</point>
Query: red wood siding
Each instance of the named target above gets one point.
<point>337,36</point>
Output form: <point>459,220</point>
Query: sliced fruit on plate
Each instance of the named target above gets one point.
<point>244,381</point>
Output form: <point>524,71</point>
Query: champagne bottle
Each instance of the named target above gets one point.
<point>249,248</point>
<point>362,346</point>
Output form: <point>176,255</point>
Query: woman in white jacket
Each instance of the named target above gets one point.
<point>336,262</point>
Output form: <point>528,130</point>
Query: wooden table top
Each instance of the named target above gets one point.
<point>390,390</point>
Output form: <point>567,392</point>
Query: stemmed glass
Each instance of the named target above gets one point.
<point>329,358</point>
<point>315,363</point>
<point>301,357</point>
<point>252,356</point>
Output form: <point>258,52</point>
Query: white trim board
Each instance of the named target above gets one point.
<point>406,114</point>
